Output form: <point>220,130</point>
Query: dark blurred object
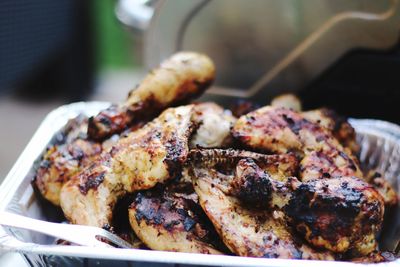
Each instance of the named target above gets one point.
<point>363,84</point>
<point>45,48</point>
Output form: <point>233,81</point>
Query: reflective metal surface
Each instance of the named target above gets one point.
<point>262,48</point>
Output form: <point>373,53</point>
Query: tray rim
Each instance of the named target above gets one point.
<point>49,126</point>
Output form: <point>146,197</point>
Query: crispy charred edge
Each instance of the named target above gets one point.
<point>230,157</point>
<point>111,120</point>
<point>173,209</point>
<point>59,142</point>
<point>251,185</point>
<point>92,176</point>
<point>117,118</point>
<point>309,208</point>
<point>120,222</point>
<point>71,153</point>
<point>177,153</point>
<point>342,129</point>
<point>242,107</point>
<point>324,164</point>
<point>295,122</point>
<point>183,97</point>
<point>91,182</point>
<point>303,209</point>
<point>270,242</point>
<point>384,188</point>
<point>280,118</point>
<point>283,117</point>
<point>73,148</point>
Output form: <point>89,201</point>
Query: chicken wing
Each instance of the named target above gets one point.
<point>152,154</point>
<point>289,101</point>
<point>171,219</point>
<point>70,153</point>
<point>312,136</point>
<point>384,188</point>
<point>183,76</point>
<point>282,130</point>
<point>279,129</point>
<point>337,125</point>
<point>327,118</point>
<point>247,231</point>
<point>338,214</point>
<point>280,166</point>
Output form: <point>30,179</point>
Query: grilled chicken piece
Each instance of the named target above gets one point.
<point>337,214</point>
<point>171,219</point>
<point>70,153</point>
<point>280,166</point>
<point>244,230</point>
<point>337,125</point>
<point>383,187</point>
<point>288,101</point>
<point>183,76</point>
<point>213,125</point>
<point>375,257</point>
<point>278,129</point>
<point>150,155</point>
<point>345,134</point>
<point>282,130</point>
<point>327,118</point>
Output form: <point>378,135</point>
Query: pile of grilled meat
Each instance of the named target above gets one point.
<point>272,182</point>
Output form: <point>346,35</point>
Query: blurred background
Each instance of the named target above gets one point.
<point>57,52</point>
<point>343,54</point>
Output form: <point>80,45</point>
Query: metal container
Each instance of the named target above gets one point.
<point>380,148</point>
<point>262,48</point>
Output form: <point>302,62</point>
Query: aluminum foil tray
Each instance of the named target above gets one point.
<point>380,148</point>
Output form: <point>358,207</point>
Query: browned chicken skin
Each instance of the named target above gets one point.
<point>178,79</point>
<point>183,76</point>
<point>326,118</point>
<point>336,124</point>
<point>337,214</point>
<point>345,134</point>
<point>383,187</point>
<point>253,200</point>
<point>246,230</point>
<point>150,155</point>
<point>171,219</point>
<point>280,166</point>
<point>315,136</point>
<point>71,152</point>
<point>281,130</point>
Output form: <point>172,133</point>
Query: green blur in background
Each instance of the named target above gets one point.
<point>114,43</point>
